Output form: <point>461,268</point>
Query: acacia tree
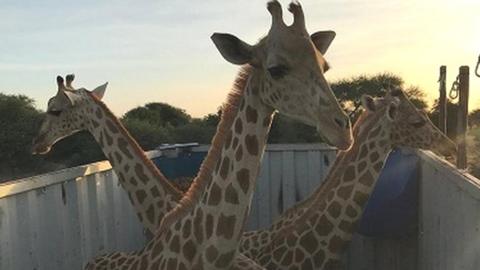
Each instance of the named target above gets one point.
<point>159,114</point>
<point>349,91</point>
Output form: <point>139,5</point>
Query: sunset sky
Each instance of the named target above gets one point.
<point>161,50</point>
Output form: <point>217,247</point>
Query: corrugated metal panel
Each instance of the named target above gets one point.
<point>449,217</point>
<point>61,226</point>
<point>289,173</point>
<point>61,220</point>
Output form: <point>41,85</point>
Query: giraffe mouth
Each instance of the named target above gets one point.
<point>339,142</point>
<point>38,149</point>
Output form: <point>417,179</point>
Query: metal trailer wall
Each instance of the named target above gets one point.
<point>449,236</point>
<point>62,219</point>
<point>289,173</point>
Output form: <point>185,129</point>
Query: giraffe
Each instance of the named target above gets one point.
<point>312,234</point>
<point>71,111</point>
<point>283,72</point>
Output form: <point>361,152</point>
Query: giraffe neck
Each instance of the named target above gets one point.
<point>320,227</point>
<point>363,162</point>
<point>214,221</point>
<point>151,194</point>
<point>339,203</point>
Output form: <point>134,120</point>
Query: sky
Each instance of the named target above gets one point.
<point>160,51</point>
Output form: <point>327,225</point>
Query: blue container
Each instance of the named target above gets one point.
<point>392,209</point>
<point>186,164</point>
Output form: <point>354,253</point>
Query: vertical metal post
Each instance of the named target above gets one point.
<point>442,102</point>
<point>477,67</point>
<point>462,117</point>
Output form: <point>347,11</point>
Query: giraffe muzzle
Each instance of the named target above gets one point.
<point>39,148</point>
<point>342,141</point>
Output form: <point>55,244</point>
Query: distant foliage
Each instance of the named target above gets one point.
<point>148,135</point>
<point>473,151</point>
<point>18,121</point>
<point>349,91</point>
<point>196,131</point>
<point>474,136</point>
<point>159,114</point>
<point>158,123</point>
<point>474,118</point>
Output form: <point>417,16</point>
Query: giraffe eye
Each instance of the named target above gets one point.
<point>278,72</point>
<point>54,112</point>
<point>418,124</point>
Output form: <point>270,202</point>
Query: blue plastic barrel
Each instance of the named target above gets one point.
<point>392,209</point>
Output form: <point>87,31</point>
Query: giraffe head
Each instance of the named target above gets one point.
<point>291,64</point>
<point>414,129</point>
<point>378,113</point>
<point>66,114</point>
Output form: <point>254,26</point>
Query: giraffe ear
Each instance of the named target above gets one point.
<point>392,110</point>
<point>322,40</point>
<point>99,92</point>
<point>368,103</point>
<point>232,48</point>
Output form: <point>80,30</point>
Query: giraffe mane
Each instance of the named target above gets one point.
<point>174,188</point>
<point>197,188</point>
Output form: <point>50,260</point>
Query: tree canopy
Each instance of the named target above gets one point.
<point>348,91</point>
<point>18,121</point>
<point>158,123</point>
<point>159,114</point>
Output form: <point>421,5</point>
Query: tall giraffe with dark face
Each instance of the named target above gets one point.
<point>283,72</point>
<point>314,233</point>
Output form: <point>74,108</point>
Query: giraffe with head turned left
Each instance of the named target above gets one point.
<point>72,110</point>
<point>283,72</point>
<point>314,233</point>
